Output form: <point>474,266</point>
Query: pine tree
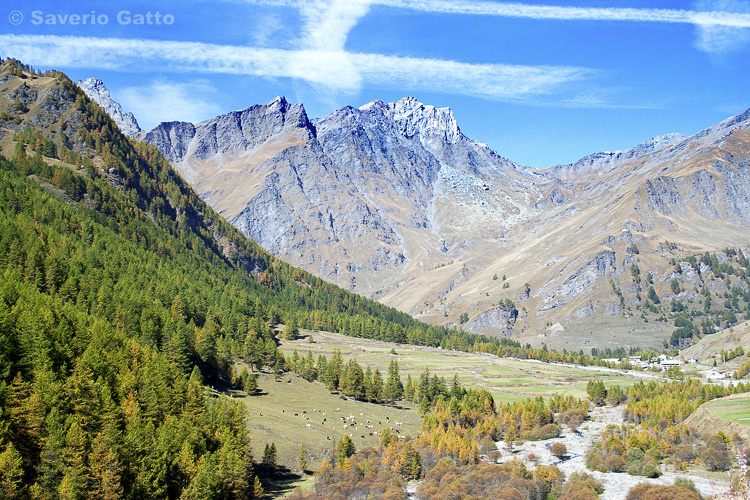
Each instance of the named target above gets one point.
<point>257,488</point>
<point>409,389</point>
<point>394,388</point>
<point>510,437</point>
<point>302,457</point>
<point>353,382</point>
<point>344,449</point>
<point>333,371</point>
<point>11,474</point>
<point>196,376</point>
<point>369,396</point>
<point>269,457</point>
<point>105,471</point>
<point>290,329</point>
<point>377,385</point>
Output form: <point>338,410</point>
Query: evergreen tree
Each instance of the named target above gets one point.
<point>269,457</point>
<point>510,437</point>
<point>11,474</point>
<point>409,389</point>
<point>302,457</point>
<point>344,449</point>
<point>290,329</point>
<point>394,388</point>
<point>257,488</point>
<point>353,383</point>
<point>377,385</point>
<point>369,396</point>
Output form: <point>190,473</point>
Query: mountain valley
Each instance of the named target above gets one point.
<point>392,201</point>
<point>149,349</point>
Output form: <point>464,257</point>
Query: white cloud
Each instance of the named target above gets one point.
<point>722,39</point>
<point>265,29</point>
<point>492,81</point>
<point>722,12</point>
<point>168,101</point>
<point>328,22</point>
<point>334,69</point>
<point>721,25</point>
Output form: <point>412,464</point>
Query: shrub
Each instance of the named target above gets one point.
<point>594,460</point>
<point>640,464</point>
<point>573,418</point>
<point>549,431</point>
<point>685,452</point>
<point>559,450</point>
<point>716,457</point>
<point>652,491</point>
<point>615,463</point>
<point>580,486</point>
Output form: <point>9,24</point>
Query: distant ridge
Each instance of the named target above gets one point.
<point>393,201</point>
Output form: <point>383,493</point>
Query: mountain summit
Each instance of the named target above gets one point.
<point>96,90</point>
<point>414,118</point>
<point>392,201</point>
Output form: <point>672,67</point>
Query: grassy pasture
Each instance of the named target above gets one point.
<point>507,379</point>
<point>272,419</point>
<point>734,409</point>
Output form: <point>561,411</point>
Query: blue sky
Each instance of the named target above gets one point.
<point>540,83</point>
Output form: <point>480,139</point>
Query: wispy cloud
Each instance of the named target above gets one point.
<point>721,25</point>
<point>328,22</point>
<point>723,39</point>
<point>720,15</point>
<point>493,81</point>
<point>167,101</point>
<point>703,18</point>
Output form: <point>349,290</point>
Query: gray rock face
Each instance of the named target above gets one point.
<point>337,195</point>
<point>497,321</point>
<point>96,90</point>
<point>238,132</point>
<point>663,196</point>
<point>172,139</point>
<point>595,269</point>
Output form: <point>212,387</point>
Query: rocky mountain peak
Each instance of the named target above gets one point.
<point>414,118</point>
<point>234,133</point>
<point>95,89</point>
<point>278,103</point>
